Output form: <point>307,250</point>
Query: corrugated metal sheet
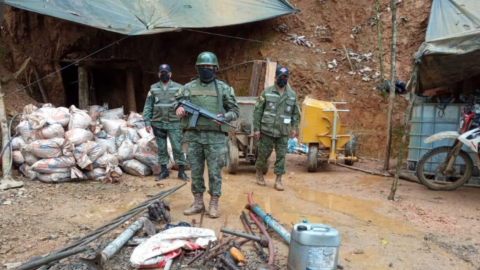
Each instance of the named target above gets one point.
<point>140,17</point>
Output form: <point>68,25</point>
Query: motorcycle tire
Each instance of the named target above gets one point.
<point>456,184</point>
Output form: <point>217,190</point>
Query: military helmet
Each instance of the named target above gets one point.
<point>207,58</point>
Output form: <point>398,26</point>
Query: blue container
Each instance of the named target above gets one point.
<point>428,119</point>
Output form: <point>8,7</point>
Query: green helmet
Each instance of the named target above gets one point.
<point>207,58</point>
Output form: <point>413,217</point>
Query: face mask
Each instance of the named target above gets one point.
<point>206,74</point>
<point>282,82</point>
<point>164,77</point>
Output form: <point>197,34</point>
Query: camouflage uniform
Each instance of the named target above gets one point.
<point>160,114</point>
<point>207,141</point>
<point>275,115</point>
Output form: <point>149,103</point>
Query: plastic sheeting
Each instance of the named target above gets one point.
<point>140,17</point>
<point>452,48</point>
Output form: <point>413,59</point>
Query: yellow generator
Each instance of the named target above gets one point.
<point>321,130</point>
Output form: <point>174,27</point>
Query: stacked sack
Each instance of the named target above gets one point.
<point>58,144</point>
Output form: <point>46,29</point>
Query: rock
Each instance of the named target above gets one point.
<point>7,202</point>
<point>390,265</point>
<point>83,227</point>
<point>12,265</point>
<point>20,193</point>
<point>358,251</point>
<point>53,237</point>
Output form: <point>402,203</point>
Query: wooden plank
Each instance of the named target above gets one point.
<point>4,125</point>
<point>40,84</point>
<point>271,67</point>
<point>131,103</point>
<point>256,71</point>
<point>83,91</point>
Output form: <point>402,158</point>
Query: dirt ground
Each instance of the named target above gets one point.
<point>421,230</point>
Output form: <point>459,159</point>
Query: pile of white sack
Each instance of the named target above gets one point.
<point>58,144</point>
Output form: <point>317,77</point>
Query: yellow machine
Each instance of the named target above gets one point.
<point>321,129</point>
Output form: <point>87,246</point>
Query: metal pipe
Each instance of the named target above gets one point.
<point>262,240</point>
<point>58,256</point>
<point>99,260</point>
<point>168,264</point>
<point>248,228</point>
<point>241,234</point>
<point>271,252</point>
<point>272,223</point>
<point>114,223</point>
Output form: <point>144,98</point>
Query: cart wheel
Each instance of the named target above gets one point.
<point>350,149</point>
<point>232,157</point>
<point>312,159</point>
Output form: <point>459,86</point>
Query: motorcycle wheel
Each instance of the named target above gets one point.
<point>430,174</point>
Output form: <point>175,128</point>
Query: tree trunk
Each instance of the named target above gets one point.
<point>380,48</point>
<point>392,87</point>
<point>408,114</point>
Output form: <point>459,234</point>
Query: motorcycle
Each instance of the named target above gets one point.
<point>449,167</point>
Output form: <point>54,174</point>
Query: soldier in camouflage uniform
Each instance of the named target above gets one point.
<point>160,116</point>
<point>276,116</point>
<point>207,141</point>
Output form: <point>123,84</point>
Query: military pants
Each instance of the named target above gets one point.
<point>176,140</point>
<point>214,154</point>
<point>265,147</point>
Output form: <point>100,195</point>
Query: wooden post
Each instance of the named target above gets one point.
<point>4,125</point>
<point>386,165</point>
<point>256,71</point>
<point>83,91</point>
<point>271,67</point>
<point>40,84</point>
<point>131,103</point>
<point>380,47</point>
<point>411,103</point>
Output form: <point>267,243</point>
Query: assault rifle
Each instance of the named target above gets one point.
<point>196,111</point>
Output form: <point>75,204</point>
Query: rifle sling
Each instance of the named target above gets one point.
<point>220,103</point>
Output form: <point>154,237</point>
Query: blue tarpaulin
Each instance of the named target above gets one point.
<point>140,17</point>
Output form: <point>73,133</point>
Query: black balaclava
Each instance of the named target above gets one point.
<point>164,77</point>
<point>206,74</point>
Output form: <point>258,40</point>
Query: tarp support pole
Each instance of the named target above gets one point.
<point>131,103</point>
<point>83,91</point>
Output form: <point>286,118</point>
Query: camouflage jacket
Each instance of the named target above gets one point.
<point>276,115</point>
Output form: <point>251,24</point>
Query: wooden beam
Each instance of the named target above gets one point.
<point>83,91</point>
<point>271,67</point>
<point>257,70</point>
<point>131,103</point>
<point>40,84</point>
<point>4,125</point>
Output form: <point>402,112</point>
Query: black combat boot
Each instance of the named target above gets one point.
<point>163,174</point>
<point>181,173</point>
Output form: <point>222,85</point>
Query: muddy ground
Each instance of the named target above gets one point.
<point>421,230</point>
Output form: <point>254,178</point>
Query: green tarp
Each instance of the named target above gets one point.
<point>140,17</point>
<point>451,51</point>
